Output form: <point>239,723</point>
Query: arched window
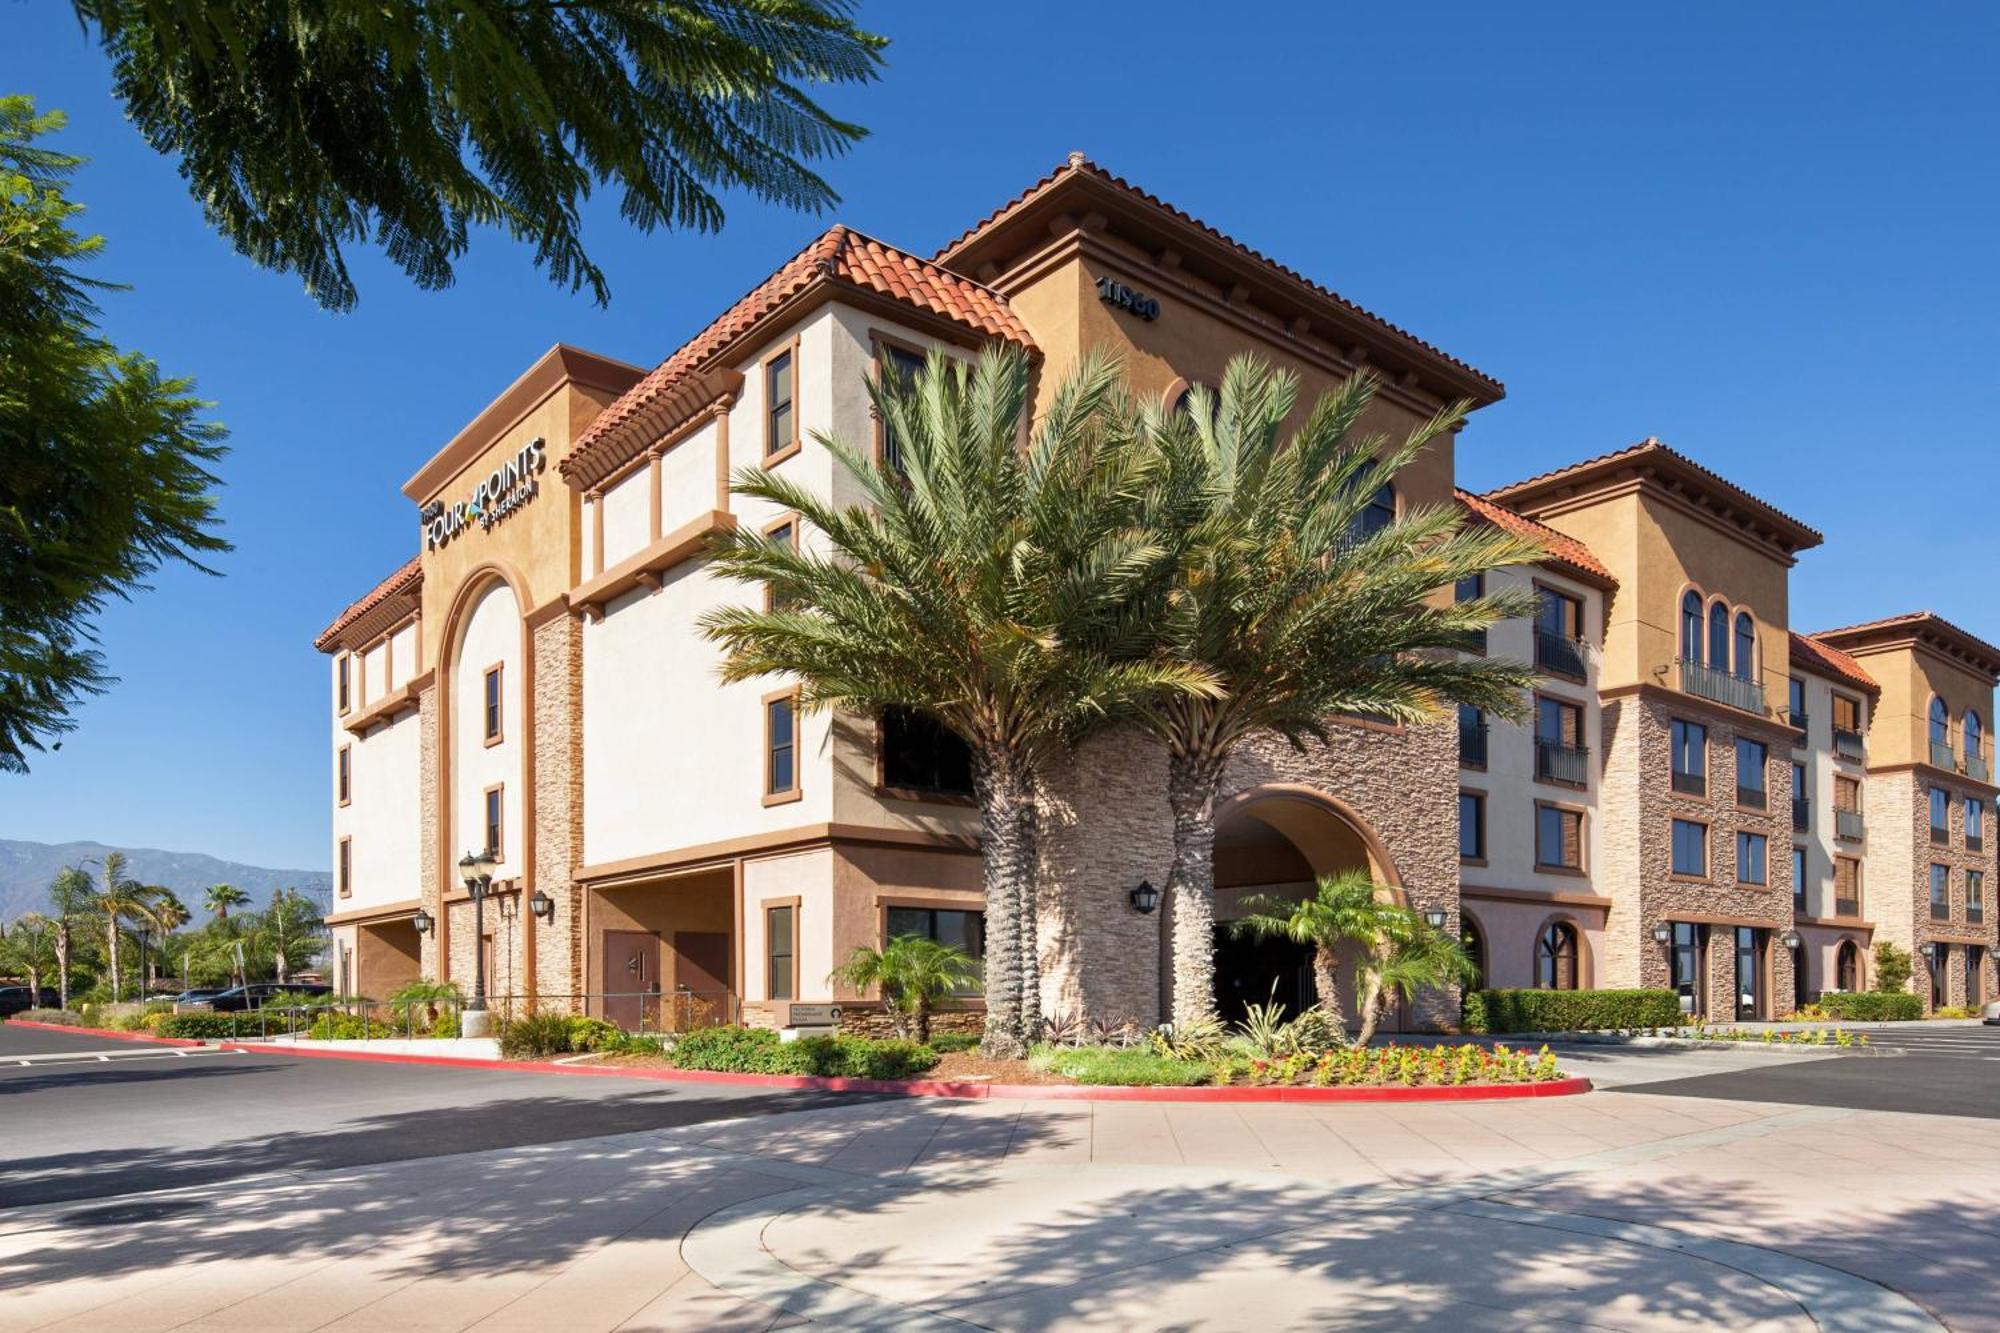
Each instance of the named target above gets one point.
<point>1975,732</point>
<point>1718,637</point>
<point>1555,958</point>
<point>1474,944</point>
<point>1746,646</point>
<point>1847,967</point>
<point>1691,627</point>
<point>1379,514</point>
<point>1940,722</point>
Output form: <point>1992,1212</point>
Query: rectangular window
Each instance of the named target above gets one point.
<point>344,671</point>
<point>1799,880</point>
<point>344,783</point>
<point>1471,826</point>
<point>922,756</point>
<point>1846,713</point>
<point>1752,851</point>
<point>1472,732</point>
<point>781,424</point>
<point>785,532</point>
<point>1801,802</point>
<point>1470,589</point>
<point>904,364</point>
<point>1795,703</point>
<point>1975,896</point>
<point>490,706</point>
<point>1940,815</point>
<point>495,805</point>
<point>1975,824</point>
<point>781,748</point>
<point>1690,848</point>
<point>1559,633</point>
<point>1560,754</point>
<point>1751,759</point>
<point>1846,886</point>
<point>346,868</point>
<point>1940,893</point>
<point>964,931</point>
<point>1690,741</point>
<point>1558,838</point>
<point>780,953</point>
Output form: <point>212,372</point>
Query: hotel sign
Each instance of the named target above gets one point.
<point>1115,293</point>
<point>502,491</point>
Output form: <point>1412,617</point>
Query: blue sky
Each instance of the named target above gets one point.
<point>1763,233</point>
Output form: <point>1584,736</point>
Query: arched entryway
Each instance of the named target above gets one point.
<point>1274,843</point>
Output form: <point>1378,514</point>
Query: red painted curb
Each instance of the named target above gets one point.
<point>1562,1087</point>
<point>147,1037</point>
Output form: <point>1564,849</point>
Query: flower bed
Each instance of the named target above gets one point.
<point>1459,1066</point>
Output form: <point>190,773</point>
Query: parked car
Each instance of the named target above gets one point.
<point>1991,1014</point>
<point>240,999</point>
<point>196,998</point>
<point>20,999</point>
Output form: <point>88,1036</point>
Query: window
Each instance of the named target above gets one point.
<point>1799,880</point>
<point>1471,826</point>
<point>1795,703</point>
<point>1470,589</point>
<point>1974,732</point>
<point>961,930</point>
<point>1555,958</point>
<point>1801,803</point>
<point>1940,893</point>
<point>1751,758</point>
<point>781,748</point>
<point>346,867</point>
<point>1975,896</point>
<point>781,422</point>
<point>1975,824</point>
<point>1559,633</point>
<point>1940,723</point>
<point>1684,952</point>
<point>1378,514</point>
<point>1846,714</point>
<point>780,953</point>
<point>495,806</point>
<point>1690,741</point>
<point>1752,851</point>
<point>1474,943</point>
<point>491,709</point>
<point>901,364</point>
<point>344,673</point>
<point>1471,737</point>
<point>1746,646</point>
<point>1691,627</point>
<point>1558,838</point>
<point>919,754</point>
<point>1560,755</point>
<point>1846,886</point>
<point>785,532</point>
<point>1718,638</point>
<point>344,782</point>
<point>1847,966</point>
<point>1690,852</point>
<point>1940,815</point>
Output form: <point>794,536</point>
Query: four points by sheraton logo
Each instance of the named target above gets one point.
<point>500,493</point>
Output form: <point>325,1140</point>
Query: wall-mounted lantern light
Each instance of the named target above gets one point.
<point>1928,949</point>
<point>422,921</point>
<point>1662,933</point>
<point>1145,898</point>
<point>1435,918</point>
<point>1790,939</point>
<point>543,906</point>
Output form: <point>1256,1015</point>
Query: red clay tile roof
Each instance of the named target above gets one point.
<point>1564,550</point>
<point>1823,659</point>
<point>840,255</point>
<point>1809,536</point>
<point>1078,164</point>
<point>404,579</point>
<point>1968,644</point>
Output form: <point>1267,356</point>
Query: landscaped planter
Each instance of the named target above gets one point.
<point>113,1033</point>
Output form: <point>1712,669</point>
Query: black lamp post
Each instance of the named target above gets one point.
<point>476,869</point>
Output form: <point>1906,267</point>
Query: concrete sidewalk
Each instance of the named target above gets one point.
<point>1624,1210</point>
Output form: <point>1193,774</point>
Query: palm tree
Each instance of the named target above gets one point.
<point>1343,909</point>
<point>171,914</point>
<point>221,897</point>
<point>72,894</point>
<point>1411,955</point>
<point>30,947</point>
<point>292,926</point>
<point>1297,609</point>
<point>123,899</point>
<point>969,585</point>
<point>913,973</point>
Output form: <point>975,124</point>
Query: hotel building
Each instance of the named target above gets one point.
<point>1702,797</point>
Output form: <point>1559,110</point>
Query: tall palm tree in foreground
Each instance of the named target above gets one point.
<point>72,894</point>
<point>992,588</point>
<point>1301,607</point>
<point>29,948</point>
<point>121,899</point>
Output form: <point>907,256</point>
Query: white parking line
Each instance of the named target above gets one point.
<point>106,1057</point>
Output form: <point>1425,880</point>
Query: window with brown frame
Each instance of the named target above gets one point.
<point>1471,826</point>
<point>1558,837</point>
<point>344,673</point>
<point>346,868</point>
<point>902,363</point>
<point>781,747</point>
<point>492,715</point>
<point>1689,858</point>
<point>781,418</point>
<point>344,782</point>
<point>1846,712</point>
<point>785,532</point>
<point>780,952</point>
<point>495,819</point>
<point>1847,886</point>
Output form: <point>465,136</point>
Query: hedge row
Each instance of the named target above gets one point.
<point>214,1027</point>
<point>1869,1006</point>
<point>1570,1010</point>
<point>733,1050</point>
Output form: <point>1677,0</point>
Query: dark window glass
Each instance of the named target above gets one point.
<point>920,754</point>
<point>1718,637</point>
<point>780,431</point>
<point>1555,958</point>
<point>1940,814</point>
<point>493,829</point>
<point>1746,645</point>
<point>778,953</point>
<point>493,704</point>
<point>1752,758</point>
<point>1379,514</point>
<point>1940,893</point>
<point>1471,825</point>
<point>781,768</point>
<point>1940,723</point>
<point>1684,952</point>
<point>903,365</point>
<point>1751,854</point>
<point>346,672</point>
<point>1690,848</point>
<point>1691,626</point>
<point>1799,878</point>
<point>965,931</point>
<point>346,774</point>
<point>1558,838</point>
<point>1795,698</point>
<point>1690,746</point>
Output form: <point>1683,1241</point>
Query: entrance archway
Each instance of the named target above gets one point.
<point>1274,843</point>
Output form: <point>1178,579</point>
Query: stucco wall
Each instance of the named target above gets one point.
<point>491,635</point>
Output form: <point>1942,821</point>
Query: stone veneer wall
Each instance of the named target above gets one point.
<point>1107,826</point>
<point>1899,843</point>
<point>1637,807</point>
<point>558,772</point>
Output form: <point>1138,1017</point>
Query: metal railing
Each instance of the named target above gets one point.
<point>1723,688</point>
<point>1472,744</point>
<point>1801,813</point>
<point>1849,908</point>
<point>1691,784</point>
<point>1942,756</point>
<point>1849,824</point>
<point>1556,762</point>
<point>1752,798</point>
<point>1798,718</point>
<point>641,1013</point>
<point>1560,653</point>
<point>1849,744</point>
<point>1977,768</point>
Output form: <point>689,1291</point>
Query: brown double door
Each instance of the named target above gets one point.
<point>632,979</point>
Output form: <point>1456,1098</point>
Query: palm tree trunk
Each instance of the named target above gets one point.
<point>1191,786</point>
<point>1371,1009</point>
<point>1030,946</point>
<point>62,962</point>
<point>1008,866</point>
<point>924,1020</point>
<point>1326,980</point>
<point>111,934</point>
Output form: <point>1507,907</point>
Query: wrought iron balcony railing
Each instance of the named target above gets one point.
<point>1722,687</point>
<point>1556,762</point>
<point>1942,756</point>
<point>1559,653</point>
<point>1849,744</point>
<point>1849,824</point>
<point>1472,744</point>
<point>1801,813</point>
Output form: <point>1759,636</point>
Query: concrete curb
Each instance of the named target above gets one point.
<point>1562,1087</point>
<point>146,1037</point>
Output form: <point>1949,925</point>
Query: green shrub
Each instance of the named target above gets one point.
<point>944,1043</point>
<point>1871,1006</point>
<point>336,1026</point>
<point>594,1034</point>
<point>211,1027</point>
<point>1570,1010</point>
<point>1118,1066</point>
<point>535,1037</point>
<point>1892,968</point>
<point>734,1050</point>
<point>66,1017</point>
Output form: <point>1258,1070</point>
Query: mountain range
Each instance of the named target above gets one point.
<point>27,867</point>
